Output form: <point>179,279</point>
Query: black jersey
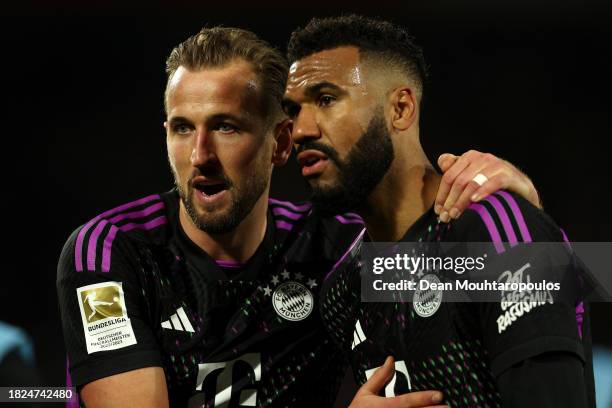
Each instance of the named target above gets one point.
<point>135,292</point>
<point>457,348</point>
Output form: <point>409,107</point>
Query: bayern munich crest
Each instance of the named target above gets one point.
<point>292,301</point>
<point>427,302</point>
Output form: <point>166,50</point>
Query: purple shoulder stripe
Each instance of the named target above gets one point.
<point>72,402</point>
<point>518,215</point>
<point>285,212</point>
<point>288,209</point>
<point>490,224</point>
<point>348,251</point>
<point>294,207</point>
<point>580,317</point>
<point>81,236</point>
<point>503,216</point>
<point>348,220</point>
<point>283,225</point>
<point>565,238</point>
<point>112,233</point>
<point>91,247</point>
<point>102,220</point>
<point>138,214</point>
<point>580,305</point>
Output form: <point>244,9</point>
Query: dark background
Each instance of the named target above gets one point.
<point>83,116</point>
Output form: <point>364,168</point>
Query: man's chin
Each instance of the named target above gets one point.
<point>322,185</point>
<point>218,223</point>
<point>213,218</point>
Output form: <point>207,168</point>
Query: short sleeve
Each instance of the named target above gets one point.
<point>105,325</point>
<point>530,324</point>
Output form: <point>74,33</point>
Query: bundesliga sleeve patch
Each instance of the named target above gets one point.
<point>105,320</point>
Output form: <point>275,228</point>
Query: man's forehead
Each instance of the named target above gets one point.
<point>235,81</point>
<point>338,65</point>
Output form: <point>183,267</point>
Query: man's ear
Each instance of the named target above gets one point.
<point>403,108</point>
<point>282,142</point>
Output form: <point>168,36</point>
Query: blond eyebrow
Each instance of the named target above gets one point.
<point>215,117</point>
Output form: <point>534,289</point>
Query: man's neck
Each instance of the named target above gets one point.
<point>237,245</point>
<point>406,192</point>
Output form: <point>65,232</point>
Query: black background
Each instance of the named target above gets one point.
<point>83,113</point>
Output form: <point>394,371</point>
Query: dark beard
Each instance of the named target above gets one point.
<point>241,205</point>
<point>365,165</point>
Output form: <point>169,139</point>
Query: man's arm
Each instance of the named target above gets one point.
<point>538,354</point>
<point>145,387</point>
<point>122,363</point>
<point>458,189</point>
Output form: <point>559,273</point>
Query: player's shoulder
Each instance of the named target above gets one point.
<point>505,217</point>
<point>333,234</point>
<point>90,246</point>
<point>289,214</point>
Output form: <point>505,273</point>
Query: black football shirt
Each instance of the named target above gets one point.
<point>135,292</point>
<point>458,348</point>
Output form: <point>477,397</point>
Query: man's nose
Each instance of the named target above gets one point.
<point>305,126</point>
<point>203,149</point>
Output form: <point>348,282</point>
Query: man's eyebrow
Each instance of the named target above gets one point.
<point>314,89</point>
<point>311,91</point>
<point>177,119</point>
<point>217,117</point>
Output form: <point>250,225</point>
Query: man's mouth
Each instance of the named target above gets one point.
<point>313,162</point>
<point>209,190</point>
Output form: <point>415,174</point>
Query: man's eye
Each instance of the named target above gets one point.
<point>226,128</point>
<point>182,129</point>
<point>326,100</point>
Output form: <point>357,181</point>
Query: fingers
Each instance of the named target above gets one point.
<point>419,399</point>
<point>472,190</point>
<point>378,380</point>
<point>446,160</point>
<point>463,182</point>
<point>458,189</point>
<point>496,182</point>
<point>450,174</point>
<point>463,202</point>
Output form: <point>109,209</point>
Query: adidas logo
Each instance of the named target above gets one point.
<point>174,323</point>
<point>358,336</point>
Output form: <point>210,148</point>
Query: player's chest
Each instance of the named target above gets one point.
<point>235,334</point>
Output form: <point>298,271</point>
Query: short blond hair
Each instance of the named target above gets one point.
<point>218,46</point>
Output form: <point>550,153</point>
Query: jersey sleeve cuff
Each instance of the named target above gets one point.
<point>533,348</point>
<point>94,370</point>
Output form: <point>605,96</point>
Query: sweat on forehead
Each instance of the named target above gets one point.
<point>345,67</point>
<point>339,66</point>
